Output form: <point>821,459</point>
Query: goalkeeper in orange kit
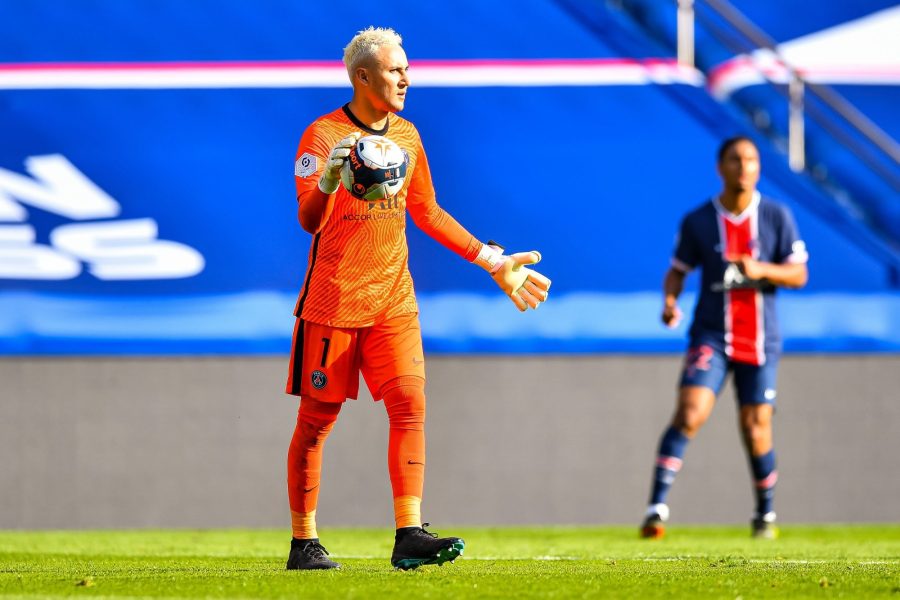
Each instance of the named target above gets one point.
<point>357,310</point>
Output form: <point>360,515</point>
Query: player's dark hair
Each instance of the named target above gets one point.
<point>723,148</point>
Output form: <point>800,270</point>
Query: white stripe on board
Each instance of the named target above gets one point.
<point>293,74</point>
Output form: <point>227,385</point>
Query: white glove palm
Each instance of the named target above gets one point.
<point>525,287</point>
<point>331,174</point>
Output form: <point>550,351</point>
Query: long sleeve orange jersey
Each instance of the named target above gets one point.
<point>358,274</point>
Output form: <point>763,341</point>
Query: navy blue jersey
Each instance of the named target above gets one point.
<point>733,312</point>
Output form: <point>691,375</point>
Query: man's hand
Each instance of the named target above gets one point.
<point>671,316</point>
<point>751,268</point>
<point>331,174</point>
<point>789,275</point>
<point>524,286</point>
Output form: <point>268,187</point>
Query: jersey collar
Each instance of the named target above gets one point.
<point>751,209</point>
<point>358,123</point>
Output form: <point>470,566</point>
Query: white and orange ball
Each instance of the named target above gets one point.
<point>375,168</point>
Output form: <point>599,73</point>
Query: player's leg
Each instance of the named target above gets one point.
<point>315,421</point>
<point>323,373</point>
<point>695,403</point>
<point>393,366</point>
<point>404,401</point>
<point>756,396</point>
<point>701,379</point>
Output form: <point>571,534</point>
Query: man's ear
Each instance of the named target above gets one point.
<point>362,75</point>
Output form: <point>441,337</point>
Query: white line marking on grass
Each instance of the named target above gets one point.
<point>652,559</point>
<point>786,561</point>
<point>540,558</point>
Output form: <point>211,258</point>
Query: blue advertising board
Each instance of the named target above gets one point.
<point>147,204</point>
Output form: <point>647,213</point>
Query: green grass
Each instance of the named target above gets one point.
<point>558,562</point>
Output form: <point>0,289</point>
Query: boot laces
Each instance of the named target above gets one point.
<point>431,533</point>
<point>314,550</point>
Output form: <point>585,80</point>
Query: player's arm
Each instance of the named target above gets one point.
<point>684,259</point>
<point>789,275</point>
<point>316,186</point>
<point>313,209</point>
<point>525,287</point>
<point>788,268</point>
<point>673,284</point>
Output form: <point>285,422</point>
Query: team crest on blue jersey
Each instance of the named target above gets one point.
<point>319,380</point>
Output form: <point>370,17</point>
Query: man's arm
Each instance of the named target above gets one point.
<point>444,229</point>
<point>315,204</point>
<point>788,266</point>
<point>673,284</point>
<point>525,287</point>
<point>788,275</point>
<point>314,208</point>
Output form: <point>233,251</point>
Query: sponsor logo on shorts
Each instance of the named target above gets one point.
<point>770,394</point>
<point>319,380</point>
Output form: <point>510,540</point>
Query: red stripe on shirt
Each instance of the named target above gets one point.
<point>742,311</point>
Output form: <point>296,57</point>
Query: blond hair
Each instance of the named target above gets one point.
<point>365,45</point>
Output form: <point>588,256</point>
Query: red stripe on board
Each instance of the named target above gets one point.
<point>155,66</point>
<point>735,73</point>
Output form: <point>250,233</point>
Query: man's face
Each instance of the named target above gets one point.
<point>739,168</point>
<point>387,79</point>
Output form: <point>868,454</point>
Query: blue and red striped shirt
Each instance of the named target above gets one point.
<point>735,313</point>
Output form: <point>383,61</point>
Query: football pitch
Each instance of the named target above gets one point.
<point>858,561</point>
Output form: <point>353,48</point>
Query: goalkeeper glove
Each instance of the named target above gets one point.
<point>331,175</point>
<point>523,286</point>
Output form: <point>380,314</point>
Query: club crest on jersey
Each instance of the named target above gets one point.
<point>305,165</point>
<point>319,380</point>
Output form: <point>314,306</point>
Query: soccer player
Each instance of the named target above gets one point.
<point>746,246</point>
<point>357,310</point>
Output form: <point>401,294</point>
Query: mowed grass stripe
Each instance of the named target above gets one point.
<point>857,561</point>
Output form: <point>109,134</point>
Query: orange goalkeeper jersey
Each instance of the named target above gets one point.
<point>357,273</point>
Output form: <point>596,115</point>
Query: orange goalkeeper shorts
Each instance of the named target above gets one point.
<point>326,361</point>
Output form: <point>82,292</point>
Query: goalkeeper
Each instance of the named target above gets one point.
<point>357,310</point>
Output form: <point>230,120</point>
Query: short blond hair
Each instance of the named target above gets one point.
<point>365,45</point>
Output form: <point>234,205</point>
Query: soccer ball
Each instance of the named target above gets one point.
<point>375,168</point>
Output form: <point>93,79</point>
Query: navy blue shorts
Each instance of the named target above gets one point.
<point>707,366</point>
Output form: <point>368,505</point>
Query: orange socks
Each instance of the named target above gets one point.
<point>315,421</point>
<point>408,511</point>
<point>405,405</point>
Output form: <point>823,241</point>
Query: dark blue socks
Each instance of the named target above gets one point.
<point>668,463</point>
<point>764,478</point>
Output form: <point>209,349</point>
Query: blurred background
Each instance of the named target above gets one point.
<point>150,255</point>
